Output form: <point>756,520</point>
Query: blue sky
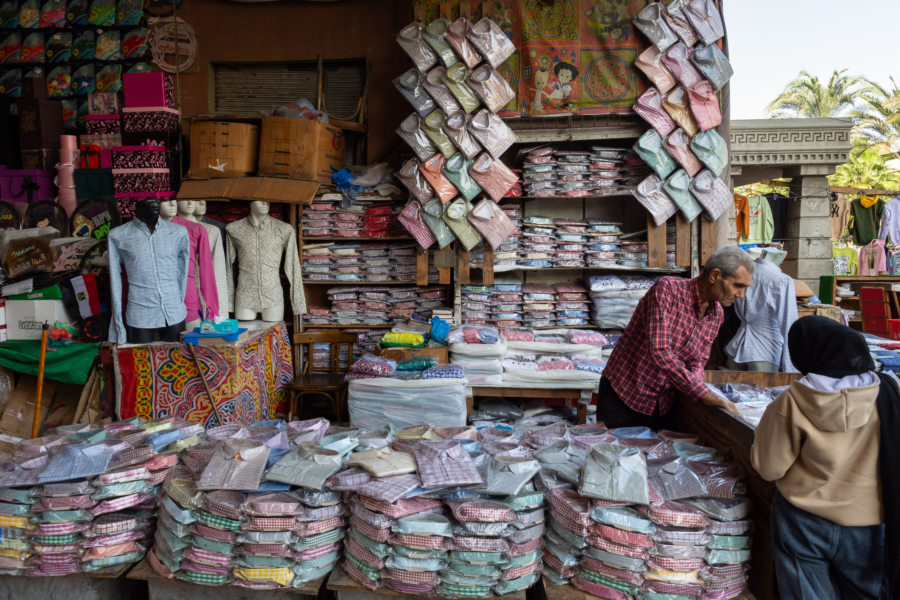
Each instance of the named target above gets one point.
<point>771,41</point>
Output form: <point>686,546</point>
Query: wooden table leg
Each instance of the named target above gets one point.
<point>582,414</point>
<point>470,406</point>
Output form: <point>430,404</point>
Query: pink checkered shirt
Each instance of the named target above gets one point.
<point>358,576</point>
<point>419,542</point>
<point>409,588</point>
<point>520,549</point>
<point>444,463</point>
<point>402,507</point>
<point>599,590</point>
<point>62,549</point>
<point>206,557</point>
<point>724,571</point>
<point>64,503</point>
<point>572,505</point>
<point>269,524</point>
<point>625,575</point>
<point>729,527</point>
<point>134,474</point>
<point>212,533</point>
<point>573,526</point>
<point>113,540</point>
<point>54,559</point>
<point>66,569</point>
<point>112,524</point>
<point>390,489</point>
<point>479,544</point>
<point>616,548</point>
<point>62,528</point>
<point>377,520</point>
<point>317,527</point>
<point>264,549</point>
<point>413,577</point>
<point>132,456</point>
<point>160,461</point>
<point>158,477</point>
<point>516,572</point>
<point>554,563</point>
<point>664,587</point>
<point>317,552</point>
<point>133,438</point>
<point>675,564</point>
<point>482,511</point>
<point>373,533</point>
<point>608,503</point>
<point>117,504</point>
<point>321,513</point>
<point>621,536</point>
<point>348,481</point>
<point>675,513</point>
<point>224,503</point>
<point>190,565</point>
<point>362,553</point>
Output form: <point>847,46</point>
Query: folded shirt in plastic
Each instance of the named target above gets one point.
<point>307,466</point>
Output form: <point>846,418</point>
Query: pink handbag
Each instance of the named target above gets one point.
<point>678,145</point>
<point>705,105</point>
<point>649,107</point>
<point>411,218</point>
<point>650,63</point>
<point>678,60</point>
<point>414,181</point>
<point>493,176</point>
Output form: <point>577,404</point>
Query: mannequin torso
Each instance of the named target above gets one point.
<point>187,210</point>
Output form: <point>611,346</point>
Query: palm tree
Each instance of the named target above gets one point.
<point>866,169</point>
<point>877,120</point>
<point>806,96</point>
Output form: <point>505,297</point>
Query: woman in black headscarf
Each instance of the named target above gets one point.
<point>822,443</point>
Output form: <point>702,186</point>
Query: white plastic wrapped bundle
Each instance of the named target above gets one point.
<point>375,403</point>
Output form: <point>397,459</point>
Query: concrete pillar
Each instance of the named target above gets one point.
<point>808,228</point>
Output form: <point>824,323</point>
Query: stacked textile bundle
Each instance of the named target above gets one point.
<point>479,351</point>
<point>538,242</point>
<point>550,172</point>
<point>615,298</point>
<point>571,243</point>
<point>82,498</point>
<point>572,304</point>
<point>324,217</point>
<point>370,262</point>
<point>605,246</point>
<point>539,305</point>
<point>563,350</point>
<point>249,507</point>
<point>318,218</point>
<point>378,305</point>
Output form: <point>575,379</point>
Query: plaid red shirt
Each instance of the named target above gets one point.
<point>675,564</point>
<point>413,577</point>
<point>571,505</point>
<point>373,533</point>
<point>616,548</point>
<point>419,542</point>
<point>665,347</point>
<point>621,536</point>
<point>592,564</point>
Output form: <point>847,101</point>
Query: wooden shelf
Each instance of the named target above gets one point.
<point>574,128</point>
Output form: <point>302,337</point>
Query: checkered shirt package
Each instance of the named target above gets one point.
<point>363,553</point>
<point>420,542</point>
<point>409,588</point>
<point>224,503</point>
<point>134,474</point>
<point>520,549</point>
<point>413,577</point>
<point>402,507</point>
<point>596,589</point>
<point>675,564</point>
<point>358,576</point>
<point>317,527</point>
<point>601,568</point>
<point>378,535</point>
<point>268,524</point>
<point>668,534</point>
<point>616,548</point>
<point>579,529</point>
<point>482,511</point>
<point>444,463</point>
<point>480,544</point>
<point>621,536</point>
<point>675,513</point>
<point>664,587</point>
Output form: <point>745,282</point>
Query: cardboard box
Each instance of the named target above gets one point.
<point>268,189</point>
<point>15,424</point>
<point>25,313</point>
<point>223,149</point>
<point>823,310</point>
<point>300,149</point>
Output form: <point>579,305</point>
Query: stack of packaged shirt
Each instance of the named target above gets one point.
<point>571,243</point>
<point>324,217</point>
<point>479,351</point>
<point>572,304</point>
<point>539,305</point>
<point>615,298</point>
<point>82,498</point>
<point>249,507</point>
<point>549,172</point>
<point>604,247</point>
<point>371,262</point>
<point>506,256</point>
<point>506,304</point>
<point>370,367</point>
<point>318,218</point>
<point>538,242</point>
<point>633,253</point>
<point>378,305</point>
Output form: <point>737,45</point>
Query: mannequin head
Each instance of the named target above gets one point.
<point>147,211</point>
<point>259,208</point>
<point>199,208</point>
<point>186,209</point>
<point>168,209</point>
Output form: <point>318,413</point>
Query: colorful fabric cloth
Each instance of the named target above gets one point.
<point>247,379</point>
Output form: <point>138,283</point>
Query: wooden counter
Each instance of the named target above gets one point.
<point>733,439</point>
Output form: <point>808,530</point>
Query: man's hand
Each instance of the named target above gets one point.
<point>713,399</point>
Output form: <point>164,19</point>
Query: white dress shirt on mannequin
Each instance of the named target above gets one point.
<point>187,211</point>
<point>258,243</point>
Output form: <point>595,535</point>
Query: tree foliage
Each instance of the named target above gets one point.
<point>807,96</point>
<point>867,169</point>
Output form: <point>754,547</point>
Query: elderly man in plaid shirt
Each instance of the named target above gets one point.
<point>666,345</point>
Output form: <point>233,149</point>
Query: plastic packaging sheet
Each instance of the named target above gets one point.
<point>456,36</point>
<point>411,39</point>
<point>432,169</point>
<point>410,87</point>
<point>375,403</point>
<point>434,36</point>
<point>491,41</point>
<point>492,132</point>
<point>491,87</point>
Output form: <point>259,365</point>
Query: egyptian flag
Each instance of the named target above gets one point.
<point>86,295</point>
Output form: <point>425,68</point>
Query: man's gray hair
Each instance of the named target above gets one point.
<point>728,260</point>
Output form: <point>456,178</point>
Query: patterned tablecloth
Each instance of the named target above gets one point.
<point>247,379</point>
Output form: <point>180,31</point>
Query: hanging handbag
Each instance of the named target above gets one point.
<point>650,148</point>
<point>412,219</point>
<point>411,132</point>
<point>456,128</point>
<point>457,37</point>
<point>712,150</point>
<point>650,22</point>
<point>493,176</point>
<point>649,107</point>
<point>455,80</point>
<point>457,171</point>
<point>678,21</point>
<point>617,473</point>
<point>491,87</point>
<point>677,105</point>
<point>413,43</point>
<point>433,126</point>
<point>432,170</point>
<point>706,19</point>
<point>433,213</point>
<point>712,193</point>
<point>714,65</point>
<point>678,188</point>
<point>678,144</point>
<point>490,220</point>
<point>491,42</point>
<point>494,135</point>
<point>650,194</point>
<point>705,105</point>
<point>410,175</point>
<point>677,60</point>
<point>650,63</point>
<point>434,36</point>
<point>455,218</point>
<point>434,85</point>
<point>410,87</point>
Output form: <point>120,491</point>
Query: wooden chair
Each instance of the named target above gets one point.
<point>327,381</point>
